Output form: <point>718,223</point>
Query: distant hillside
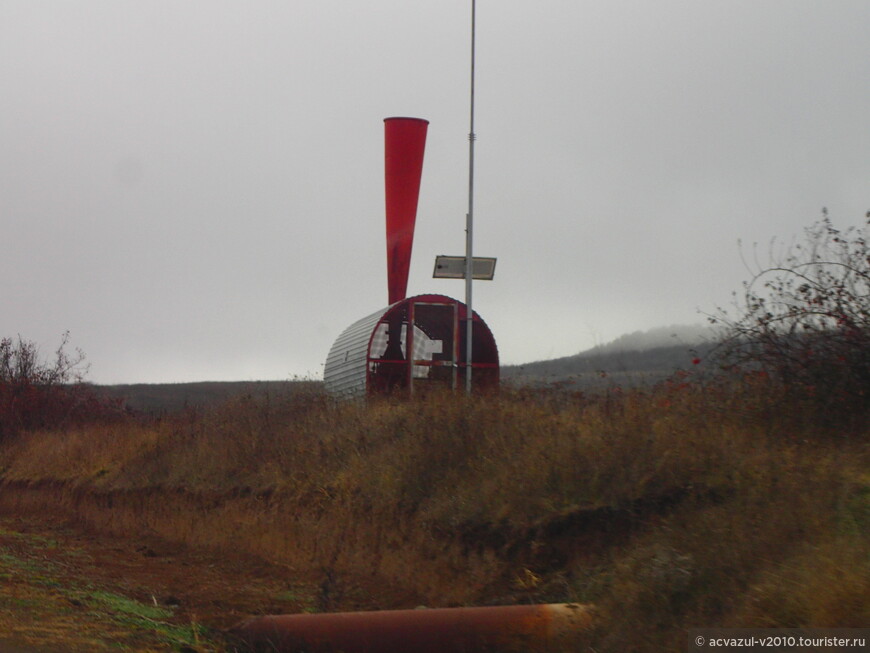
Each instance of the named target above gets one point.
<point>163,398</point>
<point>637,358</point>
<point>681,335</point>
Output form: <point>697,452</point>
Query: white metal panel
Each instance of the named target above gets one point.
<point>344,375</point>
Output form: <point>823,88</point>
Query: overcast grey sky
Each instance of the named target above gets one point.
<point>194,189</point>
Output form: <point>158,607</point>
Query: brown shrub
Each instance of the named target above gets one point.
<point>692,504</point>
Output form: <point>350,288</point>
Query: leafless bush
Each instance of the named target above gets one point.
<point>45,394</point>
<point>803,320</point>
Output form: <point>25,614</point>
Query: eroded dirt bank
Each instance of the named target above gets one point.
<point>663,510</point>
<point>89,572</point>
<point>68,588</point>
<point>365,567</point>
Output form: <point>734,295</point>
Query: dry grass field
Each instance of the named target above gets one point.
<point>694,503</point>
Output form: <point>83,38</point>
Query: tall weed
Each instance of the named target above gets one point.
<point>700,502</point>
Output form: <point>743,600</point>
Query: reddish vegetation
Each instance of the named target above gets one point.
<point>696,502</point>
<point>39,395</point>
<point>735,499</point>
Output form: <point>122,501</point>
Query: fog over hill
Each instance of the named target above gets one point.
<point>637,358</point>
<point>689,335</point>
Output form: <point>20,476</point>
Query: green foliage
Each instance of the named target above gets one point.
<point>40,585</point>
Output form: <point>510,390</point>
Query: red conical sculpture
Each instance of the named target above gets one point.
<point>405,142</point>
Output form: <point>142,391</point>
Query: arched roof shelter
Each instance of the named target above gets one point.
<point>371,356</point>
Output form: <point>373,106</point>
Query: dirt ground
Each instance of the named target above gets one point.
<point>63,588</point>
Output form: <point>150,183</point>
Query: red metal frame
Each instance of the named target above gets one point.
<point>454,340</point>
<point>375,366</point>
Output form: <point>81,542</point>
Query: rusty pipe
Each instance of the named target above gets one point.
<point>530,628</point>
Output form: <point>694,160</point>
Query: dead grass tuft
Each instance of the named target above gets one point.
<point>698,503</point>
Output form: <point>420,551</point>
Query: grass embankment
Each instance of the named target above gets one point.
<point>43,600</point>
<point>684,506</point>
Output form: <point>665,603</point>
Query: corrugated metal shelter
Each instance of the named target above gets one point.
<point>371,355</point>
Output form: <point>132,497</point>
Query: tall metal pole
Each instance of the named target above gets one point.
<point>469,223</point>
